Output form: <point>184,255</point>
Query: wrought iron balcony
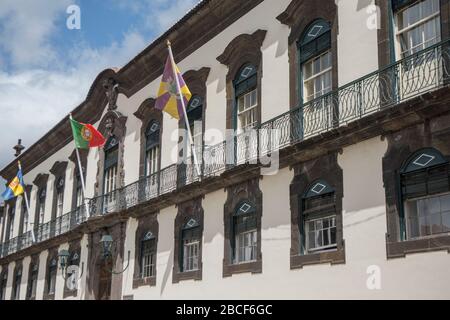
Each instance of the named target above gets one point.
<point>410,77</point>
<point>44,232</point>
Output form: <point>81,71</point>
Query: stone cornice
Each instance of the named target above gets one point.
<point>59,168</point>
<point>41,180</point>
<point>146,107</point>
<point>243,42</point>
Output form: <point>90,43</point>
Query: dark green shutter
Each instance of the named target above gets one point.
<point>401,4</point>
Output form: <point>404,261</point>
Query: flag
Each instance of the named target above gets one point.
<point>86,136</point>
<point>15,188</point>
<point>168,96</point>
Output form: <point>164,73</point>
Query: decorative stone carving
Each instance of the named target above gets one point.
<point>190,210</point>
<point>113,123</point>
<point>245,48</point>
<point>433,133</point>
<point>250,191</point>
<point>112,91</point>
<point>299,15</point>
<point>326,167</point>
<point>147,226</point>
<point>147,113</point>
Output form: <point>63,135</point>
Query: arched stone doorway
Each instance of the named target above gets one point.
<point>102,283</point>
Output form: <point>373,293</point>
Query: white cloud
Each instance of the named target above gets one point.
<point>39,89</point>
<point>34,100</point>
<point>26,28</point>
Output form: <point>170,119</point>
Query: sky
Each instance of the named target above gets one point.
<point>46,69</point>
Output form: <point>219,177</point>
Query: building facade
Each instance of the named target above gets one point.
<point>322,130</point>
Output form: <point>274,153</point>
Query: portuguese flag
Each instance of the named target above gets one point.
<point>86,136</point>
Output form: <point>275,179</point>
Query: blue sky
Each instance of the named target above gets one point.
<point>46,69</point>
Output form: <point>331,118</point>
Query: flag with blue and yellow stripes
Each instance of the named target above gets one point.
<point>15,188</point>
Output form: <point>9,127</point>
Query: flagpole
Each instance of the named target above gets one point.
<point>27,204</point>
<point>186,120</point>
<point>83,185</point>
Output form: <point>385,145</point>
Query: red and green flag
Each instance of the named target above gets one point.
<point>86,136</point>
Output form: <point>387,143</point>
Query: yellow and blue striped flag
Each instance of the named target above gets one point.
<point>15,188</point>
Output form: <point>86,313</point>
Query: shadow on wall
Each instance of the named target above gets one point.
<point>363,175</point>
<point>167,272</point>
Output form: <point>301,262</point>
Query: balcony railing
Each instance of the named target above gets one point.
<point>45,231</point>
<point>410,77</point>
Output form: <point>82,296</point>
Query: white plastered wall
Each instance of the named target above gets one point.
<point>364,219</point>
<point>357,40</point>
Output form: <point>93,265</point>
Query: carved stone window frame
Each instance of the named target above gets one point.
<point>74,248</point>
<point>59,172</point>
<point>2,275</point>
<point>244,49</point>
<point>23,209</point>
<point>386,30</point>
<point>401,146</point>
<point>41,183</point>
<point>33,262</point>
<point>147,223</point>
<point>146,113</point>
<point>236,194</point>
<point>18,267</point>
<point>83,159</point>
<point>117,231</point>
<point>305,174</point>
<point>10,205</point>
<point>186,211</point>
<point>196,82</point>
<point>112,124</point>
<point>299,15</point>
<point>52,255</point>
<point>3,216</point>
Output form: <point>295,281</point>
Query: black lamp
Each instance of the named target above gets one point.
<point>106,242</point>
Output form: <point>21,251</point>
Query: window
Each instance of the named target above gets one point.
<point>318,229</point>
<point>191,237</point>
<point>316,60</point>
<point>110,172</point>
<point>59,197</point>
<point>245,233</point>
<point>3,284</point>
<point>111,159</point>
<point>148,256</point>
<point>78,192</point>
<point>16,286</point>
<point>321,234</point>
<point>12,214</point>
<point>317,76</point>
<point>152,150</point>
<point>77,205</point>
<point>246,92</point>
<point>32,281</point>
<point>25,216</point>
<point>425,187</point>
<point>41,206</point>
<point>51,277</point>
<point>418,26</point>
<point>428,216</point>
<point>195,116</point>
